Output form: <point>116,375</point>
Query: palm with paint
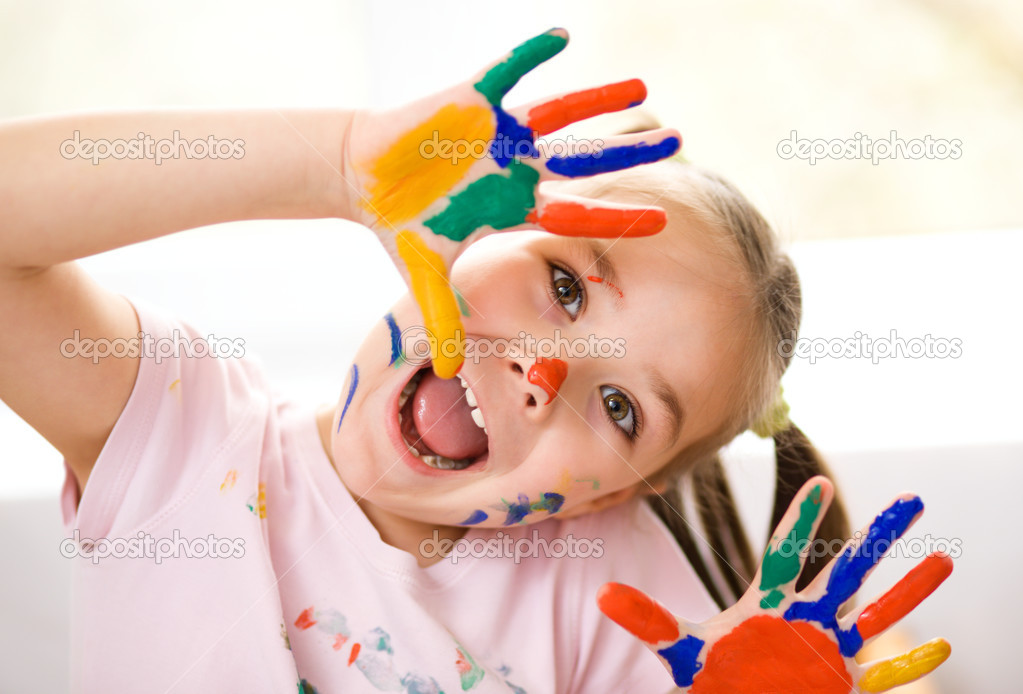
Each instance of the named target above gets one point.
<point>438,174</point>
<point>778,640</point>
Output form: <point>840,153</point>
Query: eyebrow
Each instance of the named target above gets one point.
<point>606,271</point>
<point>669,400</point>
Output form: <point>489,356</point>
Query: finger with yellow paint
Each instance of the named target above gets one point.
<point>903,669</point>
<point>432,292</point>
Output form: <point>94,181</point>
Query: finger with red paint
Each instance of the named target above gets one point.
<point>570,215</point>
<point>885,611</point>
<point>554,113</point>
<point>777,639</point>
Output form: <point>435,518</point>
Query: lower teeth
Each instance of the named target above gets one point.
<point>441,463</point>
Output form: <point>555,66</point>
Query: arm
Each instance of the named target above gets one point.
<point>54,210</point>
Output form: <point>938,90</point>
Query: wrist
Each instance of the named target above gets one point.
<point>333,184</point>
<point>322,188</point>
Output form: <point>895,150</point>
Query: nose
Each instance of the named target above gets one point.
<point>548,374</point>
<point>538,380</point>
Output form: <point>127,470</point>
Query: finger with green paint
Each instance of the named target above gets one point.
<point>437,175</point>
<point>777,639</point>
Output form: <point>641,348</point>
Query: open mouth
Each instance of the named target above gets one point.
<point>441,423</point>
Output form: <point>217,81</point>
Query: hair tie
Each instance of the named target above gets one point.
<point>774,420</point>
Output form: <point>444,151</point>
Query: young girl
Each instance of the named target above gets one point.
<point>254,545</point>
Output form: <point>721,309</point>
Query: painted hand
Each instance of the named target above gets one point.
<point>439,174</point>
<point>777,640</point>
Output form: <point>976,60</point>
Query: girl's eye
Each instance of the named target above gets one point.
<point>619,410</point>
<point>567,291</point>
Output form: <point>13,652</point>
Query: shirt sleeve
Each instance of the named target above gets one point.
<point>192,395</point>
<point>172,588</point>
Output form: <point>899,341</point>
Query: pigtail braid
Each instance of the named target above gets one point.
<point>670,508</point>
<point>720,518</point>
<point>721,529</point>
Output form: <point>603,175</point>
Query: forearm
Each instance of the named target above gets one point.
<point>55,208</point>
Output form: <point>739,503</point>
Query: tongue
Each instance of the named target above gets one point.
<point>443,419</point>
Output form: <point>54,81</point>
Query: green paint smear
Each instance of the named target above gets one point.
<point>501,78</point>
<point>462,306</point>
<point>497,200</point>
<point>471,678</point>
<point>596,482</point>
<point>771,600</point>
<point>778,569</point>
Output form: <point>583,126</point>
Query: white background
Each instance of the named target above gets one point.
<point>913,246</point>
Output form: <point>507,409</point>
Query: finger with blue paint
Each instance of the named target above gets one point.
<point>439,174</point>
<point>777,639</point>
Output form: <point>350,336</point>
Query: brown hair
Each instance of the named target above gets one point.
<point>739,232</point>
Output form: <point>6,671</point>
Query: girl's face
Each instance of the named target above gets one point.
<point>650,330</point>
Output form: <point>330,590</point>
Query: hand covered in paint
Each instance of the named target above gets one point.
<point>440,173</point>
<point>777,640</point>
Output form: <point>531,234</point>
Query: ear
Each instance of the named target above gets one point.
<point>613,499</point>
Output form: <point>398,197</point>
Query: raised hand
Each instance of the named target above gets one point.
<point>777,640</point>
<point>441,173</point>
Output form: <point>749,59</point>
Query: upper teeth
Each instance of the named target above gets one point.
<point>407,391</point>
<point>470,398</point>
<point>477,417</point>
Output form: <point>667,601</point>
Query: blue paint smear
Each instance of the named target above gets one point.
<point>511,139</point>
<point>517,510</point>
<point>851,569</point>
<point>549,502</point>
<point>683,656</point>
<point>475,517</point>
<point>351,393</point>
<point>416,684</point>
<point>612,158</point>
<point>395,339</point>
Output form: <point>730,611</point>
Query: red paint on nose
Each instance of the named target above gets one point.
<point>549,374</point>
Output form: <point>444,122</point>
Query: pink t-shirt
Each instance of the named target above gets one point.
<point>278,580</point>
